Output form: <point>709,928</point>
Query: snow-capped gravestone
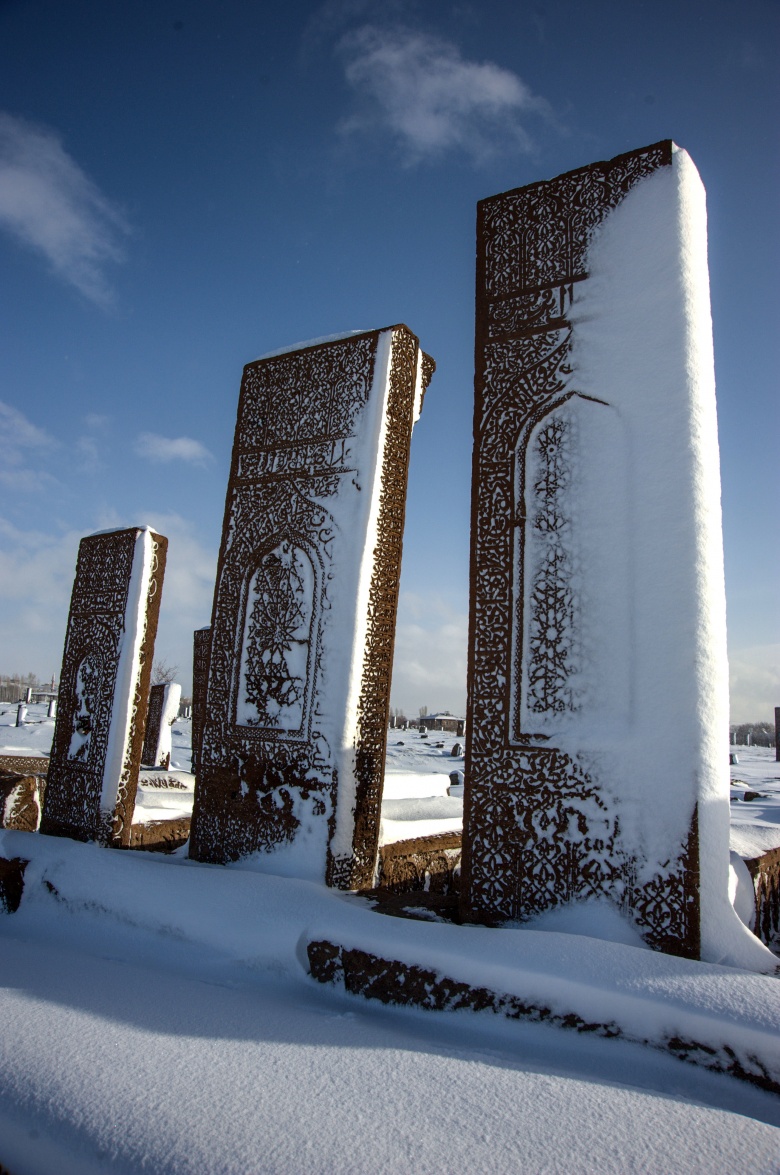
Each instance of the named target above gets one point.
<point>109,645</point>
<point>160,716</point>
<point>201,646</point>
<point>598,707</point>
<point>305,602</point>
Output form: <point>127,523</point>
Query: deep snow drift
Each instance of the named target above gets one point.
<point>157,1016</point>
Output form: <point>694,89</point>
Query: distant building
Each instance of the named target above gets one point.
<point>446,721</point>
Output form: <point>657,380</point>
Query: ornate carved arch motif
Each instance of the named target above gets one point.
<point>278,638</point>
<point>82,747</point>
<point>539,827</point>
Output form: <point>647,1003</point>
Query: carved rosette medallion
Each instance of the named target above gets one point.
<point>275,710</point>
<point>538,828</point>
<point>99,733</point>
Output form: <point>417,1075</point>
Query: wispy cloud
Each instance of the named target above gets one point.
<point>431,99</point>
<point>429,667</point>
<point>754,681</point>
<point>23,442</point>
<point>51,205</point>
<point>157,448</point>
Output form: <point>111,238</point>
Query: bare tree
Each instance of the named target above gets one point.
<point>163,673</point>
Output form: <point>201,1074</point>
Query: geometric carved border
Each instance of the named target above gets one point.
<point>201,654</point>
<point>357,871</point>
<point>537,830</point>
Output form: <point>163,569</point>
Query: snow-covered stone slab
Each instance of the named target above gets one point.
<point>598,680</point>
<point>161,714</point>
<point>201,652</point>
<point>104,683</point>
<point>304,610</point>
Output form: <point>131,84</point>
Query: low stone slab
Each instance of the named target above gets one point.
<point>394,982</point>
<point>160,836</point>
<point>427,863</point>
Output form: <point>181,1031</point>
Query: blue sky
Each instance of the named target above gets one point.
<point>185,186</point>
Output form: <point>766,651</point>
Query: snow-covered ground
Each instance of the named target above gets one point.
<point>417,769</point>
<point>157,1016</point>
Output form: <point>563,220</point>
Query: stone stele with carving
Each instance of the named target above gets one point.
<point>597,692</point>
<point>104,686</point>
<point>303,626</point>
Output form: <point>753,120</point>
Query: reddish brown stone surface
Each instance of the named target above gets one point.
<point>154,715</point>
<point>201,654</point>
<point>24,764</point>
<point>160,836</point>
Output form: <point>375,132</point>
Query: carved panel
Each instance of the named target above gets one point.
<point>154,717</point>
<point>539,829</point>
<point>98,732</point>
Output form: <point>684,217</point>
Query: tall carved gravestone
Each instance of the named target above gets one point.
<point>305,602</point>
<point>104,684</point>
<point>598,708</point>
<point>201,647</point>
<point>161,713</point>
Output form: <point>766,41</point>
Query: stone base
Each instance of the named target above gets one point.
<point>160,836</point>
<point>765,871</point>
<point>428,863</point>
<point>11,883</point>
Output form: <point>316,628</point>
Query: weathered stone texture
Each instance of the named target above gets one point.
<point>20,801</point>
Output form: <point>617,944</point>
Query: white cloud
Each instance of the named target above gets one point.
<point>157,448</point>
<point>36,579</point>
<point>429,668</point>
<point>754,683</point>
<point>48,203</point>
<point>23,441</point>
<point>430,98</point>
